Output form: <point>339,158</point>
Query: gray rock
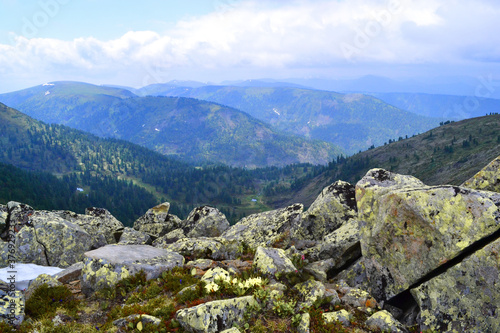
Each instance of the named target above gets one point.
<point>465,298</point>
<point>133,237</point>
<point>97,222</point>
<point>205,222</point>
<point>270,261</point>
<point>267,228</point>
<point>332,208</point>
<point>105,266</point>
<point>47,239</point>
<point>214,316</point>
<point>309,292</point>
<point>385,322</point>
<point>157,221</point>
<point>196,248</point>
<point>341,316</point>
<point>12,307</point>
<point>488,179</point>
<point>408,229</point>
<point>71,273</point>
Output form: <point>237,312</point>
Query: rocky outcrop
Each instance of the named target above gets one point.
<point>409,230</point>
<point>488,179</point>
<point>205,222</point>
<point>265,229</point>
<point>385,322</point>
<point>97,222</point>
<point>47,239</point>
<point>214,316</point>
<point>157,221</point>
<point>105,266</point>
<point>334,206</point>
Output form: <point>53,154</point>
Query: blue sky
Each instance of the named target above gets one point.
<point>136,43</point>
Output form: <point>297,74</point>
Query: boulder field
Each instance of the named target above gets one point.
<point>406,254</point>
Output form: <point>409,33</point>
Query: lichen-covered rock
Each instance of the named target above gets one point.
<point>355,275</point>
<point>195,248</point>
<point>49,240</point>
<point>157,221</point>
<point>270,261</point>
<point>202,264</point>
<point>214,316</point>
<point>107,265</point>
<point>488,179</point>
<point>341,316</point>
<point>332,208</point>
<point>171,237</point>
<point>131,236</point>
<point>465,298</point>
<point>385,322</point>
<point>205,222</point>
<point>215,273</point>
<point>359,298</point>
<point>305,323</point>
<point>309,292</point>
<point>97,222</point>
<point>406,232</point>
<point>265,229</point>
<point>40,280</point>
<point>18,215</point>
<point>319,269</point>
<point>12,305</point>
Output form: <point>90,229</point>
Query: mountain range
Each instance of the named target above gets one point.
<point>193,130</point>
<point>352,121</point>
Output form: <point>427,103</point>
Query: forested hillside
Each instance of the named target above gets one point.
<point>110,170</point>
<point>193,130</point>
<point>448,154</point>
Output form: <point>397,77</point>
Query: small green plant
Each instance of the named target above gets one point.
<point>245,251</point>
<point>46,300</point>
<point>284,308</point>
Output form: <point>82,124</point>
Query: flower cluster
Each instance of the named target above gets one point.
<point>225,283</point>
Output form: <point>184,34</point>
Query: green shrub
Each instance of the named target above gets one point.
<point>46,300</point>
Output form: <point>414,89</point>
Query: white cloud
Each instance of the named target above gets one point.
<point>277,35</point>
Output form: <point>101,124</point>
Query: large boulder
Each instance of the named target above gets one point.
<point>267,228</point>
<point>215,316</point>
<point>97,222</point>
<point>205,222</point>
<point>107,265</point>
<point>46,239</point>
<point>157,221</point>
<point>18,215</point>
<point>465,298</point>
<point>488,179</point>
<point>408,229</point>
<point>270,261</point>
<point>332,208</point>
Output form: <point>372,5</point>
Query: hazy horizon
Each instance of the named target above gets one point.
<point>136,44</point>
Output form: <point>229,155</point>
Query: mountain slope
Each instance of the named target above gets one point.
<point>442,106</point>
<point>192,129</point>
<point>449,154</point>
<point>352,121</point>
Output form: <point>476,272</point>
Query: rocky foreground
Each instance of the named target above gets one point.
<point>388,254</point>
